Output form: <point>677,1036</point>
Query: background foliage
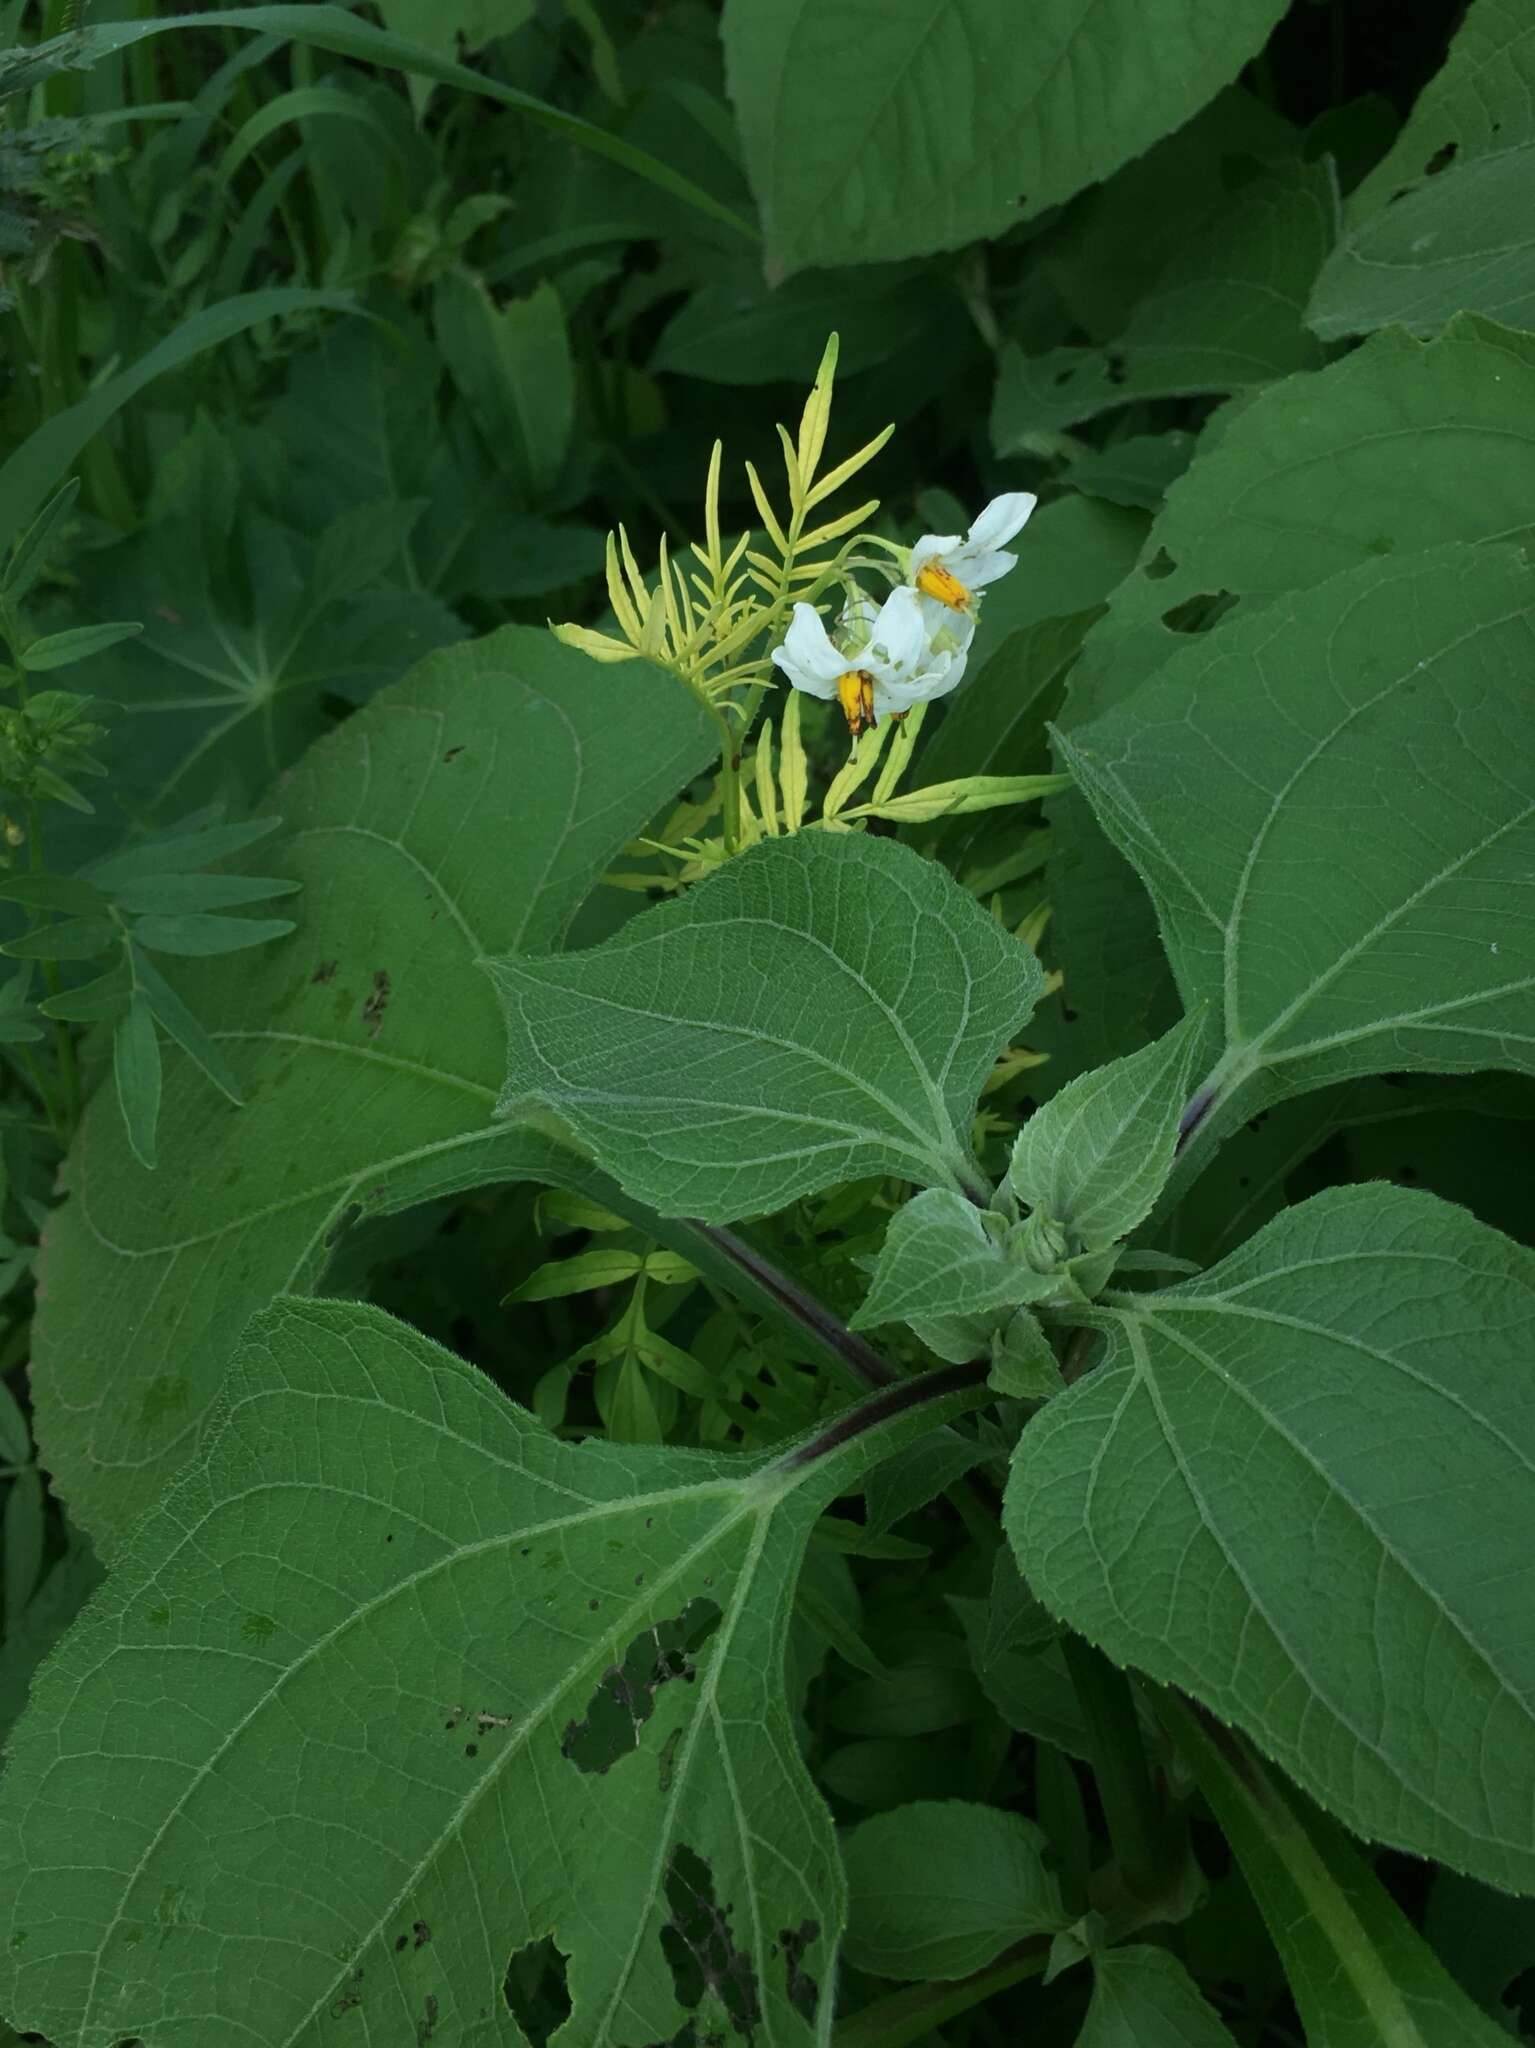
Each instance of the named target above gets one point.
<point>611,1499</point>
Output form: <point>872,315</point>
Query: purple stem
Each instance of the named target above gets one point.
<point>860,1359</point>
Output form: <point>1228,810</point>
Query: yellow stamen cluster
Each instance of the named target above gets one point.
<point>855,693</point>
<point>933,580</point>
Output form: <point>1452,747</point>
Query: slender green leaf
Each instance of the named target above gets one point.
<point>197,936</point>
<point>136,1070</point>
<point>29,555</point>
<point>1295,1492</point>
<point>760,1039</point>
<point>77,643</point>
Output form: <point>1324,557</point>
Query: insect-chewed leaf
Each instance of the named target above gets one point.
<point>822,1008</point>
<point>1301,1492</point>
<point>394,1684</point>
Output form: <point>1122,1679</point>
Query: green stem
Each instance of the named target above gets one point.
<point>911,2015</point>
<point>1138,1823</point>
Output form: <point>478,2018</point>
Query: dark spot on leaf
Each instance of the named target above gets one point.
<point>537,1990</point>
<point>400,1942</point>
<point>1160,565</point>
<point>667,1761</point>
<point>1068,1014</point>
<point>1064,376</point>
<point>377,1003</point>
<point>453,753</point>
<point>420,1934</point>
<point>697,1944</point>
<point>626,1696</point>
<point>390,1537</point>
<point>1115,368</point>
<point>471,1749</point>
<point>166,1395</point>
<point>323,972</point>
<point>1441,159</point>
<point>426,2026</point>
<point>804,1992</point>
<point>593,1605</point>
<point>351,1995</point>
<point>257,1627</point>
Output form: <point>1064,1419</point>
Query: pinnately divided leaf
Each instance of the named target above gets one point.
<point>824,1007</point>
<point>1302,1489</point>
<point>395,1684</point>
<point>1333,805</point>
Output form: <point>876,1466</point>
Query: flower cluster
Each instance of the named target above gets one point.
<point>880,661</point>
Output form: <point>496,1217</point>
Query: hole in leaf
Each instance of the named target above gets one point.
<point>625,1697</point>
<point>1160,565</point>
<point>1441,160</point>
<point>1195,614</point>
<point>537,1990</point>
<point>697,1944</point>
<point>804,1992</point>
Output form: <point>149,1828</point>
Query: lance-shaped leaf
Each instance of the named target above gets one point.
<point>944,1257</point>
<point>941,1886</point>
<point>471,805</point>
<point>1096,1156</point>
<point>1144,1998</point>
<point>395,1684</point>
<point>1302,1489</point>
<point>1333,805</point>
<point>824,1007</point>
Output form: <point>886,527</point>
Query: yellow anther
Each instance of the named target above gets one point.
<point>933,580</point>
<point>855,693</point>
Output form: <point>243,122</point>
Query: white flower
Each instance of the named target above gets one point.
<point>948,570</point>
<point>887,662</point>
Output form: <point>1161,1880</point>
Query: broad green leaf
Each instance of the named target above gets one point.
<point>736,330</point>
<point>945,127</point>
<point>465,1687</point>
<point>1343,874</point>
<point>1144,1998</point>
<point>1072,554</point>
<point>1137,470</point>
<point>470,807</point>
<point>440,25</point>
<point>1095,1157</point>
<point>1462,241</point>
<point>1361,1974</point>
<point>996,723</point>
<point>1293,1492</point>
<point>939,1887</point>
<point>33,469</point>
<point>1402,445</point>
<point>946,1263</point>
<point>1482,101</point>
<point>822,1008</point>
<point>1228,312</point>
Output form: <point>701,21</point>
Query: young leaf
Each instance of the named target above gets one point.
<point>942,1257</point>
<point>1343,911</point>
<point>1292,1491</point>
<point>502,782</point>
<point>76,643</point>
<point>1144,1998</point>
<point>1097,1155</point>
<point>938,1888</point>
<point>968,130</point>
<point>820,1009</point>
<point>1360,1972</point>
<point>548,1659</point>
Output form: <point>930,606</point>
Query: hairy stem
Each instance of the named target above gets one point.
<point>851,1352</point>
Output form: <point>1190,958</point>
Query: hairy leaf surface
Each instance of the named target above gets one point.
<point>471,806</point>
<point>1333,806</point>
<point>458,1687</point>
<point>823,1007</point>
<point>908,128</point>
<point>1302,1489</point>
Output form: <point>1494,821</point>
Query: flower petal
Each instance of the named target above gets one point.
<point>936,679</point>
<point>1002,518</point>
<point>807,656</point>
<point>898,643</point>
